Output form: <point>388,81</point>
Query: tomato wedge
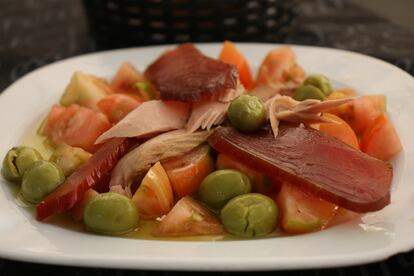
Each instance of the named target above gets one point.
<point>154,197</point>
<point>361,112</point>
<point>188,218</point>
<point>117,106</point>
<point>126,78</point>
<point>381,140</point>
<point>260,182</point>
<point>341,93</point>
<point>231,55</point>
<point>302,212</point>
<point>186,172</point>
<point>344,215</point>
<point>340,130</point>
<point>75,186</point>
<point>76,126</point>
<point>279,66</point>
<point>85,90</point>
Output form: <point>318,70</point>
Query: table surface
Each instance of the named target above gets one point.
<point>34,33</point>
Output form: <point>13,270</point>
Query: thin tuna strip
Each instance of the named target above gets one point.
<point>206,114</point>
<point>284,108</point>
<point>150,117</point>
<point>140,159</point>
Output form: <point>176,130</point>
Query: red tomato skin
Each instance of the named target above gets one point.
<point>381,140</point>
<point>75,186</point>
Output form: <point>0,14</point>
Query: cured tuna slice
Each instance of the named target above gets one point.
<point>313,160</point>
<point>185,74</point>
<point>149,118</point>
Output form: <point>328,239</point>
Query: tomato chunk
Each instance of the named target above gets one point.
<point>85,90</point>
<point>75,186</point>
<point>126,78</point>
<point>279,66</point>
<point>186,172</point>
<point>154,196</point>
<point>302,212</point>
<point>340,130</point>
<point>361,112</point>
<point>230,54</point>
<point>117,106</point>
<point>260,182</point>
<point>76,126</point>
<point>344,215</point>
<point>188,218</point>
<point>341,93</point>
<point>381,140</point>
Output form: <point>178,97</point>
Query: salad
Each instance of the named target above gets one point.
<point>198,146</point>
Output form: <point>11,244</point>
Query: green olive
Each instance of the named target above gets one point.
<point>320,82</point>
<point>247,113</point>
<point>69,158</point>
<point>25,159</point>
<point>305,92</point>
<point>221,186</point>
<point>250,215</point>
<point>111,214</point>
<point>9,169</point>
<point>17,161</point>
<point>41,179</point>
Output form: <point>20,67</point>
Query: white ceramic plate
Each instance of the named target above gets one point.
<point>378,236</point>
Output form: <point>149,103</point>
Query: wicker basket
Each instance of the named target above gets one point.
<point>121,23</point>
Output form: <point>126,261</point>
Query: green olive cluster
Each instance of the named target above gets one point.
<point>37,177</point>
<point>242,213</point>
<point>314,87</point>
<point>107,213</point>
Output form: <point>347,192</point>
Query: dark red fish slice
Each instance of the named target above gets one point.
<point>317,162</point>
<point>75,186</point>
<point>185,74</point>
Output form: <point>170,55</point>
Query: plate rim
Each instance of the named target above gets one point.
<point>201,263</point>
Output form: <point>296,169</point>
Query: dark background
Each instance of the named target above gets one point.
<point>37,32</point>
